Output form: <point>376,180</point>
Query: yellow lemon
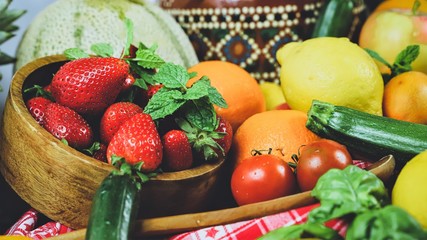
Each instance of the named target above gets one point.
<point>273,94</point>
<point>330,69</point>
<point>409,191</point>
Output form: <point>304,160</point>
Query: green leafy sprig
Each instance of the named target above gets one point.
<point>401,64</point>
<point>360,197</point>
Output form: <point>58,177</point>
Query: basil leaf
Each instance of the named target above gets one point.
<point>347,191</point>
<point>390,222</point>
<point>317,230</point>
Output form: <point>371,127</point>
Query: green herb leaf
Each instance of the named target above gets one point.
<point>390,222</point>
<point>377,57</point>
<point>404,59</point>
<point>147,58</point>
<point>201,114</point>
<point>102,49</point>
<point>316,230</point>
<point>415,7</point>
<point>348,191</point>
<point>129,36</point>
<point>172,76</point>
<point>75,53</point>
<point>198,90</point>
<point>164,103</point>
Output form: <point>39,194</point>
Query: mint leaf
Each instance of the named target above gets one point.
<point>147,58</point>
<point>164,103</point>
<point>102,49</point>
<point>348,191</point>
<point>198,90</point>
<point>129,36</point>
<point>216,98</point>
<point>201,114</point>
<point>377,57</point>
<point>404,59</point>
<point>75,53</point>
<point>172,76</point>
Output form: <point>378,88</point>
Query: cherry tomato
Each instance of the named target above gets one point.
<point>261,178</point>
<point>316,158</point>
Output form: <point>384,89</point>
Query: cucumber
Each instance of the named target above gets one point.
<point>337,18</point>
<point>114,208</point>
<point>371,135</point>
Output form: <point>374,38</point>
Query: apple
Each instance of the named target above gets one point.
<point>390,31</point>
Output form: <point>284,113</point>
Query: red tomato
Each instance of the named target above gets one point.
<point>260,178</point>
<point>316,158</point>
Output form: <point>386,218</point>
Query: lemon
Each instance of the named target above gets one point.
<point>273,94</point>
<point>330,69</point>
<point>409,191</point>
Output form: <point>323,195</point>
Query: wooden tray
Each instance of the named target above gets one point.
<point>163,226</point>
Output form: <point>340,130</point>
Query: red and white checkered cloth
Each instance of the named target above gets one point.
<point>250,229</point>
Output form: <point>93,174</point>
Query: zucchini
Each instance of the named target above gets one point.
<point>371,135</point>
<point>114,208</point>
<point>337,18</point>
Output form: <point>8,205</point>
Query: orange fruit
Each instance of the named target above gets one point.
<point>403,4</point>
<point>282,131</point>
<point>240,90</point>
<point>405,97</point>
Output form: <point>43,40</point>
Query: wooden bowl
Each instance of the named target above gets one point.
<point>60,182</point>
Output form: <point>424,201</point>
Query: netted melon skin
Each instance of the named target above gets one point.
<point>80,23</point>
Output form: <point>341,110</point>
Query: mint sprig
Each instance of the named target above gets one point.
<point>401,64</point>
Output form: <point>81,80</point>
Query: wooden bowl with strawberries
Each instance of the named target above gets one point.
<point>60,181</point>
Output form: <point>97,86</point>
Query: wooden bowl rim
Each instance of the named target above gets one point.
<point>18,83</point>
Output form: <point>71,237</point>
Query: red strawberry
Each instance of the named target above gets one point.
<point>224,127</point>
<point>177,153</point>
<point>137,140</point>
<point>65,123</point>
<point>115,115</point>
<point>128,83</point>
<point>89,85</point>
<point>37,107</point>
<point>101,153</point>
<point>153,89</point>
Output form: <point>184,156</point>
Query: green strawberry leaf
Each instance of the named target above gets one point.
<point>75,53</point>
<point>92,149</point>
<point>102,49</point>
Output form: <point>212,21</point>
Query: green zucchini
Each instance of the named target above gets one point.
<point>114,208</point>
<point>336,18</point>
<point>371,135</point>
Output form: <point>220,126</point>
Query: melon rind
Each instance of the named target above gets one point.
<point>80,23</point>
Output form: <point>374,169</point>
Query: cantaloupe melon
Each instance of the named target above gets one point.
<point>80,23</point>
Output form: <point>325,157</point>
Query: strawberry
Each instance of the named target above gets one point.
<point>137,140</point>
<point>225,141</point>
<point>37,107</point>
<point>115,115</point>
<point>128,83</point>
<point>89,85</point>
<point>101,153</point>
<point>65,123</point>
<point>177,153</point>
<point>152,89</point>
